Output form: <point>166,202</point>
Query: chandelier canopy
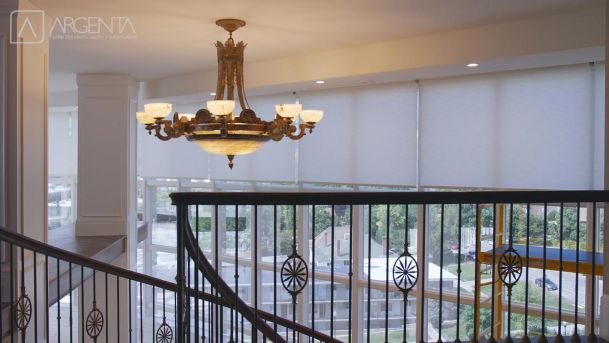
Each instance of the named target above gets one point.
<point>216,129</point>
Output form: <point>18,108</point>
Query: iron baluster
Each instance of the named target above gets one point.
<point>164,334</point>
<point>82,302</point>
<point>187,300</point>
<point>369,271</point>
<point>313,270</point>
<point>275,269</point>
<point>236,275</point>
<point>70,290</point>
<point>576,337</point>
<point>46,292</point>
<point>23,307</point>
<point>294,252</point>
<point>422,275</point>
<point>387,277</point>
<point>495,224</point>
<point>197,276</point>
<point>441,270</point>
<point>141,313</point>
<point>35,267</point>
<point>2,252</point>
<point>332,276</point>
<point>350,270</point>
<point>118,314</point>
<point>255,257</point>
<point>406,223</point>
<point>130,313</point>
<point>217,266</point>
<point>543,338</point>
<point>510,270</point>
<point>154,311</point>
<point>58,302</point>
<point>106,308</point>
<point>474,339</point>
<point>95,319</point>
<point>592,336</point>
<point>180,279</point>
<point>12,291</point>
<point>526,338</point>
<point>559,336</point>
<point>460,239</point>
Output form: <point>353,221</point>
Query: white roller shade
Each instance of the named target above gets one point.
<point>62,143</point>
<point>457,132</point>
<point>368,135</point>
<point>525,129</point>
<point>537,129</point>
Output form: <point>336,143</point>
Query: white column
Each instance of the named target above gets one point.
<point>24,53</point>
<point>106,156</point>
<point>604,329</point>
<point>107,181</point>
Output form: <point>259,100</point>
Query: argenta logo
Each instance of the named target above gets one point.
<point>28,27</point>
<point>92,28</point>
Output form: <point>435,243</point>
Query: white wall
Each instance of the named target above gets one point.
<point>539,128</point>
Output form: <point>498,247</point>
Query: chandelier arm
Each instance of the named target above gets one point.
<point>302,127</point>
<point>277,129</point>
<point>241,87</point>
<point>221,69</point>
<point>157,132</point>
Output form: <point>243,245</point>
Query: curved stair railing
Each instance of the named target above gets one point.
<point>230,300</point>
<point>115,304</point>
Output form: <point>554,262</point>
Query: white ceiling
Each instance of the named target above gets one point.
<point>176,37</point>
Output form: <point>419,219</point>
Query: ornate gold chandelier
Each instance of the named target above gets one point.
<point>216,129</point>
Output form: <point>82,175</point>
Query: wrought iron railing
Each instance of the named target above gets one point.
<point>395,266</point>
<point>114,304</point>
<point>330,267</point>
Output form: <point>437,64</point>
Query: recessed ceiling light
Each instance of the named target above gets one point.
<point>320,82</point>
<point>472,65</point>
<point>212,94</point>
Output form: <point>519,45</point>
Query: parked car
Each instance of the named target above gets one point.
<point>550,285</point>
<point>471,255</point>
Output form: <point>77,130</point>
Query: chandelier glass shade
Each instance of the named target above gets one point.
<point>217,129</point>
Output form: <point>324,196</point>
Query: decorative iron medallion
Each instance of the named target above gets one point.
<point>510,267</point>
<point>294,274</point>
<point>405,272</point>
<point>23,312</point>
<point>164,334</point>
<point>94,323</point>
